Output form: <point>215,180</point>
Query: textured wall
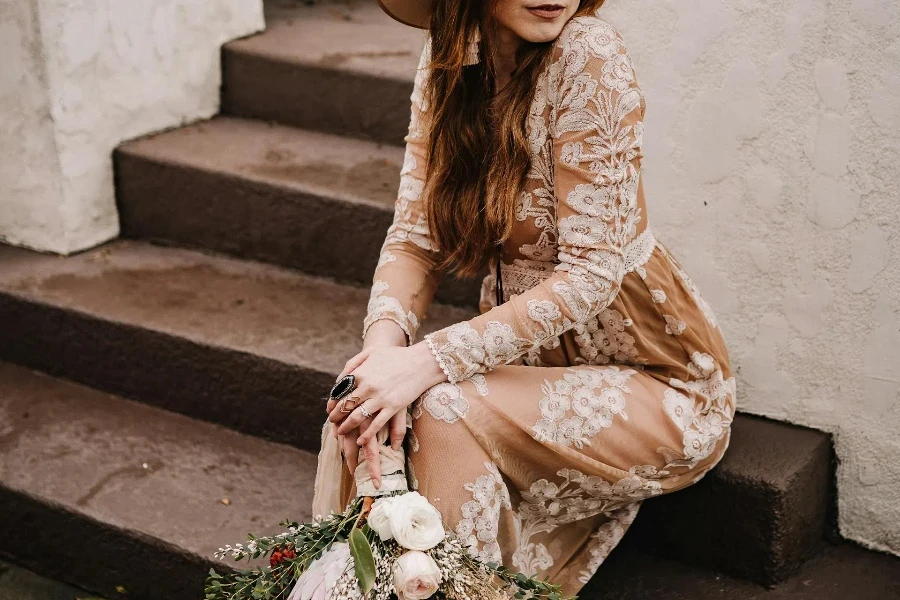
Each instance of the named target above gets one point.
<point>97,72</point>
<point>772,170</point>
<point>30,181</point>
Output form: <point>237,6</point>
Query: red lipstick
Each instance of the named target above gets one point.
<point>547,11</point>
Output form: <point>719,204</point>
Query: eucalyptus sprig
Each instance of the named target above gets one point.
<point>290,554</point>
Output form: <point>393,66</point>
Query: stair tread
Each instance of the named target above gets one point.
<point>347,36</point>
<point>140,468</point>
<point>762,450</point>
<point>213,300</point>
<point>335,166</point>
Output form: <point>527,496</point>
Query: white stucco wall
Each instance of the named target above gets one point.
<point>772,170</point>
<point>77,77</point>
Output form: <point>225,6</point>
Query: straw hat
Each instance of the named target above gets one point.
<point>415,13</point>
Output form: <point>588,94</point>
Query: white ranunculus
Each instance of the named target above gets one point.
<point>379,518</point>
<point>416,576</point>
<point>318,580</point>
<point>415,523</point>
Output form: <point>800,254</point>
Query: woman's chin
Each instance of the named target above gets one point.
<point>540,33</point>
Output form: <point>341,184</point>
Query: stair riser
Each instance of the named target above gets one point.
<point>74,548</point>
<point>248,393</point>
<point>322,99</point>
<point>247,219</point>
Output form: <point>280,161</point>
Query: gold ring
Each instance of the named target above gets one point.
<point>353,399</point>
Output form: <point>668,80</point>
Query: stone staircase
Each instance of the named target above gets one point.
<point>160,395</point>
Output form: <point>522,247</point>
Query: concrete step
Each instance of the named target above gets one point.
<point>340,67</point>
<point>126,500</point>
<point>310,201</point>
<point>255,348</point>
<point>17,583</point>
<point>758,515</point>
<point>248,345</point>
<point>841,571</point>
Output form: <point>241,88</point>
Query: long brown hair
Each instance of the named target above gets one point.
<point>478,158</point>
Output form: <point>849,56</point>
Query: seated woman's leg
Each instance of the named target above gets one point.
<point>544,468</point>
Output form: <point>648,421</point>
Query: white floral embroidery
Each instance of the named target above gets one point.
<point>674,325</point>
<point>445,402</point>
<point>703,409</point>
<point>608,537</point>
<point>387,307</point>
<point>386,257</point>
<point>604,339</point>
<point>480,383</point>
<point>547,505</point>
<point>658,296</point>
<point>618,73</point>
<point>594,395</point>
<point>481,516</point>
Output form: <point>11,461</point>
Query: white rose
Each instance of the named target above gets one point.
<point>415,523</point>
<point>379,518</point>
<point>416,576</point>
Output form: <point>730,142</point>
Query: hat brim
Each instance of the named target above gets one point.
<point>415,13</point>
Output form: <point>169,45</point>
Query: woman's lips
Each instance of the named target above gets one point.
<point>547,11</point>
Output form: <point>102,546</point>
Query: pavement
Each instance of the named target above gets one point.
<point>18,584</point>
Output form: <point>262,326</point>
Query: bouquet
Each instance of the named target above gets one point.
<point>390,543</point>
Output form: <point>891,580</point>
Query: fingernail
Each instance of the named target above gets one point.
<point>377,483</point>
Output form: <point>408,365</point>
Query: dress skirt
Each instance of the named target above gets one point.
<point>543,466</point>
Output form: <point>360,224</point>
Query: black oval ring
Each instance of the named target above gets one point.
<point>344,386</point>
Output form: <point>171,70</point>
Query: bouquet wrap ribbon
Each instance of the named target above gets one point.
<point>393,471</point>
<point>327,495</point>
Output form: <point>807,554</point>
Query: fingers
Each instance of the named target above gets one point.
<point>373,462</point>
<point>398,429</point>
<point>356,417</point>
<point>350,451</point>
<point>371,432</point>
<point>354,400</point>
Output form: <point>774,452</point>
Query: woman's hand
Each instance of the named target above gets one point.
<point>389,379</point>
<point>383,332</point>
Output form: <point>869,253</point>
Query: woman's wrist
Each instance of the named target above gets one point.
<point>427,364</point>
<point>385,332</point>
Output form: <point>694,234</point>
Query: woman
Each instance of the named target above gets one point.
<point>598,376</point>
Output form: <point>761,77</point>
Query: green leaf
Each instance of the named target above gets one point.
<point>364,562</point>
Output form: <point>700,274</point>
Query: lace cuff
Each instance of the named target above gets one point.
<point>463,352</point>
<point>404,324</point>
<point>441,360</point>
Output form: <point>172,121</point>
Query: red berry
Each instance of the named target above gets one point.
<point>276,558</point>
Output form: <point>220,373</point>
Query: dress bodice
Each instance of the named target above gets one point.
<point>585,279</point>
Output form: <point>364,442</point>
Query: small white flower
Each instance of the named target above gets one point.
<point>416,576</point>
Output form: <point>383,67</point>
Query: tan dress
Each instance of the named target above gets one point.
<point>602,379</point>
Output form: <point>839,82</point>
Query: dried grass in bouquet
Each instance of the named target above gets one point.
<point>389,543</point>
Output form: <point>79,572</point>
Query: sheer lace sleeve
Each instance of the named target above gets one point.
<point>596,126</point>
<point>404,282</point>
